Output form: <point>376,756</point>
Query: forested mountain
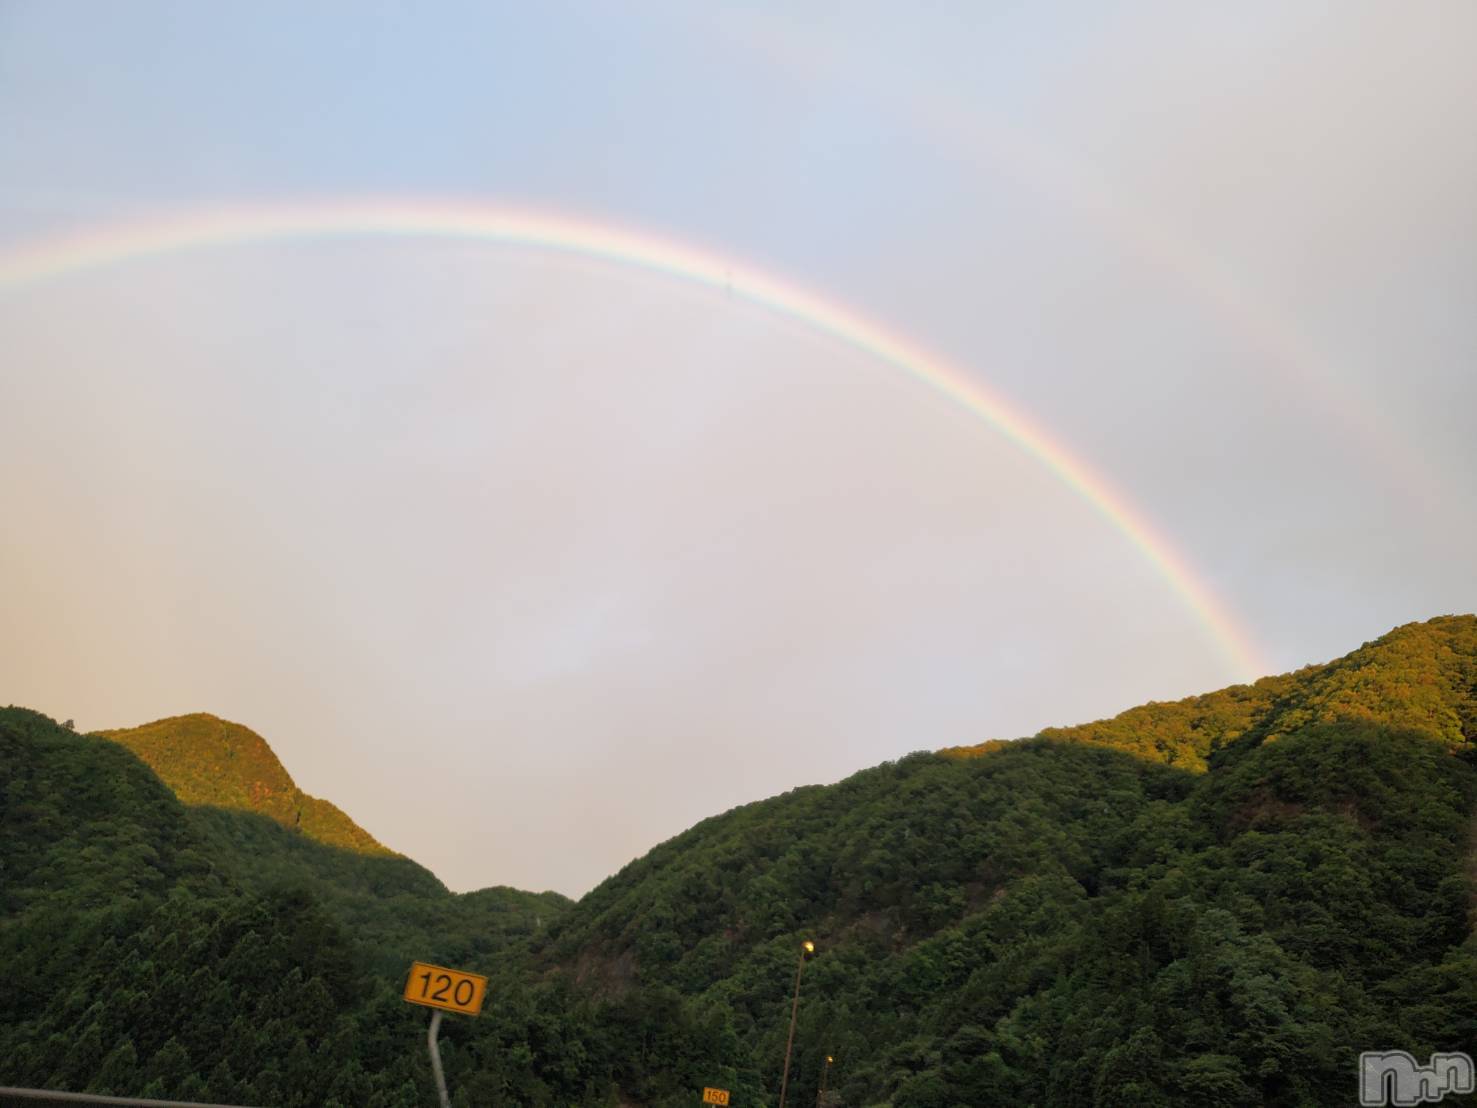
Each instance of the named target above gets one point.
<point>149,948</point>
<point>230,778</point>
<point>1216,901</point>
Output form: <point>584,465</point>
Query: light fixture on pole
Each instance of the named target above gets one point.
<point>820,1097</point>
<point>807,947</point>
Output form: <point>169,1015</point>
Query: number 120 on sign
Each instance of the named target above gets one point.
<point>439,987</point>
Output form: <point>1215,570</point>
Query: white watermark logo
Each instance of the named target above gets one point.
<point>1394,1077</point>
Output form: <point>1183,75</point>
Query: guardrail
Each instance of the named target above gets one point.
<point>19,1097</point>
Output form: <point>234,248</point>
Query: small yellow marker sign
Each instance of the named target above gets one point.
<point>715,1096</point>
<point>439,987</point>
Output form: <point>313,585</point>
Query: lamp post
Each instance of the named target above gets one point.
<point>820,1097</point>
<point>807,947</point>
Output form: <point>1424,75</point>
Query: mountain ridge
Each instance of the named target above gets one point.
<point>212,762</point>
<point>1422,674</point>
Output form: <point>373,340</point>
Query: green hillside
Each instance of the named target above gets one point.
<point>131,963</point>
<point>266,833</point>
<point>396,909</point>
<point>1219,901</point>
<point>1089,916</point>
<point>211,761</point>
<point>1421,677</point>
<point>153,949</point>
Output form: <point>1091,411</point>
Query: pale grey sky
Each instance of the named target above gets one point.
<point>529,561</point>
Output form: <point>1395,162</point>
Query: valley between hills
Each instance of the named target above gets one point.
<point>1220,900</point>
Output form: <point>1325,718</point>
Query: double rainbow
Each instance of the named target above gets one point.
<point>63,254</point>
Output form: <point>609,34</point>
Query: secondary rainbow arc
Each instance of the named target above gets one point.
<point>62,254</point>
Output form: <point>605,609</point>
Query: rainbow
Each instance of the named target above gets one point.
<point>90,248</point>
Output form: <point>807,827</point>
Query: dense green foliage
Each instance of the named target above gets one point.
<point>152,949</point>
<point>396,909</point>
<point>1219,901</point>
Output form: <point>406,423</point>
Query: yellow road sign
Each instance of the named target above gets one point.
<point>439,987</point>
<point>715,1096</point>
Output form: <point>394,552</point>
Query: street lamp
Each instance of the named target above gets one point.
<point>820,1097</point>
<point>807,947</point>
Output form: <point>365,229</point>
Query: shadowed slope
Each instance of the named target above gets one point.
<point>270,835</point>
<point>156,949</point>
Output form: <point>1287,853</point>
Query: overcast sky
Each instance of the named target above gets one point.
<point>531,560</point>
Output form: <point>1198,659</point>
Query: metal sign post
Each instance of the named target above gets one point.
<point>444,990</point>
<point>435,1050</point>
